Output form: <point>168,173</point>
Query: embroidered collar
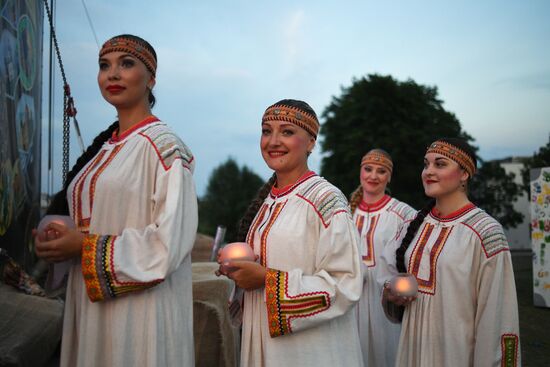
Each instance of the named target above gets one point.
<point>278,192</point>
<point>115,138</point>
<point>454,215</point>
<point>375,206</point>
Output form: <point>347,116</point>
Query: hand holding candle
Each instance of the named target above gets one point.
<point>236,251</point>
<point>404,285</point>
<point>47,234</point>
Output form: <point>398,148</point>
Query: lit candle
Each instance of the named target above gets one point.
<point>236,251</point>
<point>47,234</point>
<point>404,285</point>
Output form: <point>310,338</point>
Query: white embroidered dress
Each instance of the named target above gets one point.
<point>466,312</point>
<point>378,224</point>
<point>129,299</point>
<point>305,315</point>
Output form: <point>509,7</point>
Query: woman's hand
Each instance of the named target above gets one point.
<point>67,245</point>
<point>248,275</point>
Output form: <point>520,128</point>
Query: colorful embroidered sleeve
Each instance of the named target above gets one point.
<point>497,323</point>
<point>140,258</point>
<point>296,301</point>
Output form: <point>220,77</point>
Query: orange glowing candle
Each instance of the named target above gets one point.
<point>236,251</point>
<point>404,285</point>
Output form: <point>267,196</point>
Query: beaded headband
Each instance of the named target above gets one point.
<point>293,115</point>
<point>374,157</point>
<point>456,154</point>
<point>134,48</point>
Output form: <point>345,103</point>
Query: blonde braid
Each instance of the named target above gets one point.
<point>355,199</point>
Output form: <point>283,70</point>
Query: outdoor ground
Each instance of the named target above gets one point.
<point>534,322</point>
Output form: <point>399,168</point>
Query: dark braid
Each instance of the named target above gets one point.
<point>59,204</point>
<point>252,210</point>
<point>355,199</point>
<point>411,232</point>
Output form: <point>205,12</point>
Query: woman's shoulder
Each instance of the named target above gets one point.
<point>403,210</point>
<point>488,230</point>
<point>324,197</point>
<point>167,145</point>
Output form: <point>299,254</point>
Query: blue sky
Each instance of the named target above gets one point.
<point>221,63</point>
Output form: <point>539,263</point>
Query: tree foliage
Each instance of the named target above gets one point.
<point>229,192</point>
<point>402,118</point>
<point>539,159</point>
<point>495,191</point>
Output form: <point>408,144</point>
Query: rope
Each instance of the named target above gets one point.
<point>69,109</point>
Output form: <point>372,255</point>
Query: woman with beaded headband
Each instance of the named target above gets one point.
<point>299,295</point>
<point>465,312</point>
<point>378,218</point>
<point>132,198</point>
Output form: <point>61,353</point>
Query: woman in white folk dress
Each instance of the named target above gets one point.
<point>300,295</point>
<point>132,198</point>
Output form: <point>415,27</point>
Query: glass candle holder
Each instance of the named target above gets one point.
<point>48,234</point>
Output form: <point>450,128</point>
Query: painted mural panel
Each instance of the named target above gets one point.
<point>20,101</point>
<point>540,235</point>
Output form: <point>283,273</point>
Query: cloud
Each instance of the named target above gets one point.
<point>538,80</point>
<point>292,32</point>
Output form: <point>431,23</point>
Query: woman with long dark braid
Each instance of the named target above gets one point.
<point>132,198</point>
<point>465,313</point>
<point>299,296</point>
<point>378,218</point>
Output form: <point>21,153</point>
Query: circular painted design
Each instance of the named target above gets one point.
<point>9,66</point>
<point>27,52</point>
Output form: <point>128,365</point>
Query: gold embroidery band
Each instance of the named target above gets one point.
<point>456,154</point>
<point>293,115</point>
<point>377,158</point>
<point>509,345</point>
<point>134,48</point>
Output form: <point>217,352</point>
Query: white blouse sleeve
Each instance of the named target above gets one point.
<point>296,301</point>
<point>140,258</point>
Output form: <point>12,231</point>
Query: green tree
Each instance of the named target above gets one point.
<point>539,159</point>
<point>496,191</point>
<point>229,192</point>
<point>402,118</point>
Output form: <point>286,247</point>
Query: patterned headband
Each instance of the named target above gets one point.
<point>374,157</point>
<point>134,48</point>
<point>456,154</point>
<point>293,115</point>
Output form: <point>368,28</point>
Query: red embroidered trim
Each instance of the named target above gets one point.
<point>428,286</point>
<point>369,259</point>
<point>265,233</point>
<point>277,193</point>
<point>282,308</point>
<point>454,215</point>
<point>89,268</point>
<point>166,168</point>
<point>83,223</point>
<point>255,225</point>
<point>369,208</point>
<point>115,138</point>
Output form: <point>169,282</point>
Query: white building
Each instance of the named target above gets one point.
<point>519,237</point>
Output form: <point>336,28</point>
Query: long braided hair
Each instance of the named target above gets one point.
<point>59,204</point>
<point>255,205</point>
<point>421,215</point>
